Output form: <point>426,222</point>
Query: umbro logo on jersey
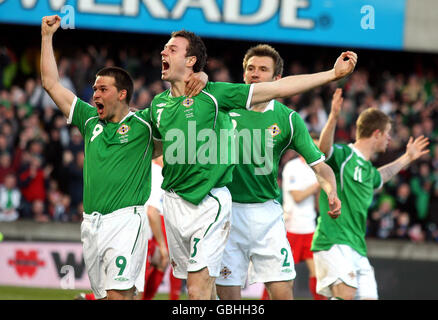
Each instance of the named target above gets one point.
<point>161,105</point>
<point>274,129</point>
<point>123,129</point>
<point>234,114</point>
<point>187,102</point>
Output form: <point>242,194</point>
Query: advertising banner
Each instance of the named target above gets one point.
<point>59,265</point>
<point>345,23</point>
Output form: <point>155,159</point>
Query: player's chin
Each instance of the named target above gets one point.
<point>165,76</point>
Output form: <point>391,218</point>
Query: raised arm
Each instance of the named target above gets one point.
<point>327,135</point>
<point>327,181</point>
<point>414,150</point>
<point>62,97</point>
<point>291,85</point>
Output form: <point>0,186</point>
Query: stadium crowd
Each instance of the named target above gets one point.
<point>41,157</point>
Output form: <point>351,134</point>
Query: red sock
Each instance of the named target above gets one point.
<point>90,296</point>
<point>265,295</point>
<point>312,287</point>
<point>175,287</point>
<point>154,281</point>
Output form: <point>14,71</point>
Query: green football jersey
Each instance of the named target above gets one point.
<point>262,138</point>
<point>356,180</point>
<point>197,137</point>
<point>117,164</point>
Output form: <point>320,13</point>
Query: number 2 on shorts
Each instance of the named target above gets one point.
<point>285,254</point>
<point>121,264</point>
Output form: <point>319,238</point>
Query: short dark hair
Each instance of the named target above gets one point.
<point>370,120</point>
<point>122,80</point>
<point>265,50</point>
<point>195,48</point>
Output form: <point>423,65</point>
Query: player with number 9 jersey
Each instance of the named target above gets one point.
<point>117,165</point>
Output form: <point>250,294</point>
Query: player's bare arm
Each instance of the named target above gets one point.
<point>291,85</point>
<point>49,70</point>
<point>414,150</point>
<point>326,138</point>
<point>300,195</point>
<point>155,223</point>
<point>327,181</point>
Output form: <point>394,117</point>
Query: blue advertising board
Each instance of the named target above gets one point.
<point>352,23</point>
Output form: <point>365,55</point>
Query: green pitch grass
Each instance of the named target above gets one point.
<point>28,293</point>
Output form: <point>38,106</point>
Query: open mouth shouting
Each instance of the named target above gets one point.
<point>100,108</point>
<point>164,66</point>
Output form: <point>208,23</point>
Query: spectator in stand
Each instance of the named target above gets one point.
<point>421,185</point>
<point>32,183</point>
<point>38,213</point>
<point>10,199</point>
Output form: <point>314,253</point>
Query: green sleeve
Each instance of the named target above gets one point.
<point>81,113</point>
<point>302,142</point>
<point>145,114</point>
<point>230,95</point>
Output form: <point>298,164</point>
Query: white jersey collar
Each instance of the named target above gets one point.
<point>269,107</point>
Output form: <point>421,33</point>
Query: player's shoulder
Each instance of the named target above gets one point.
<point>212,86</point>
<point>159,98</point>
<point>341,151</point>
<point>282,107</point>
<point>79,103</point>
<point>342,146</point>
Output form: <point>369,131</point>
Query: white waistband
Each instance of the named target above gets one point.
<point>173,194</point>
<point>257,204</point>
<point>92,216</point>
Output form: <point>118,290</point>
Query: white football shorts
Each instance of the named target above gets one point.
<point>196,234</point>
<point>343,263</point>
<point>258,234</point>
<point>114,248</point>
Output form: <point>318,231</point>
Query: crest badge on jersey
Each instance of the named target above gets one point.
<point>123,129</point>
<point>225,272</point>
<point>187,102</point>
<point>274,130</point>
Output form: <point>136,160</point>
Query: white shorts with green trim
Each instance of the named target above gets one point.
<point>114,248</point>
<point>196,234</point>
<point>258,248</point>
<point>344,264</point>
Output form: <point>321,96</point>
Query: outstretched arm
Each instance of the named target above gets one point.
<point>327,135</point>
<point>414,150</point>
<point>49,70</point>
<point>327,181</point>
<point>291,85</point>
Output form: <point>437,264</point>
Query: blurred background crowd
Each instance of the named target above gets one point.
<point>41,157</point>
